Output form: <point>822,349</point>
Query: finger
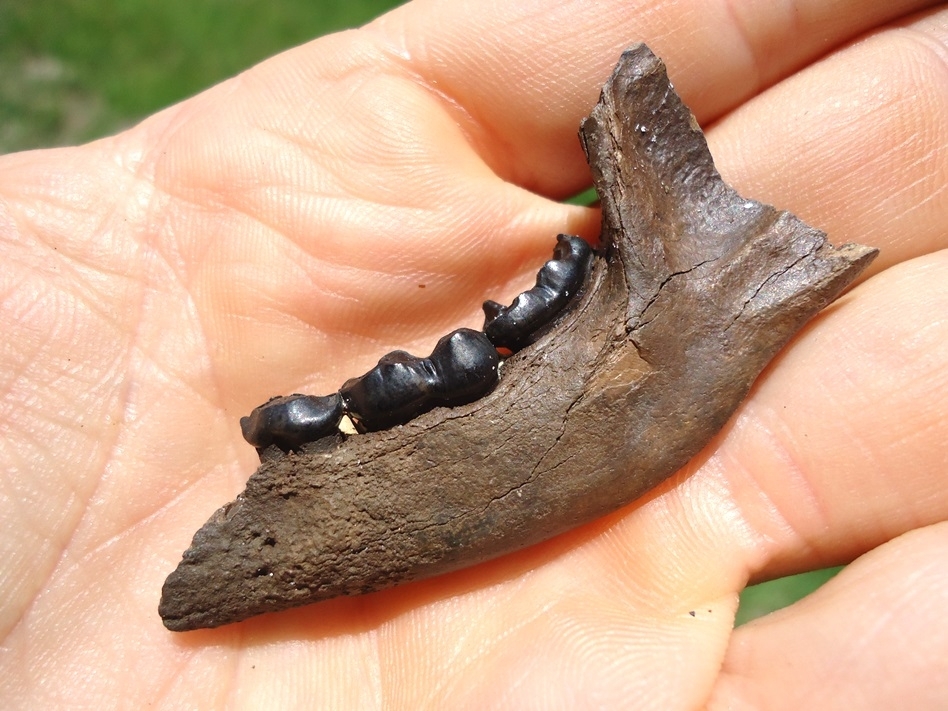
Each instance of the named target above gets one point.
<point>857,144</point>
<point>461,254</point>
<point>535,70</point>
<point>843,444</point>
<point>874,637</point>
<point>580,621</point>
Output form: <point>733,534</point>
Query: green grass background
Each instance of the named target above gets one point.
<point>74,70</point>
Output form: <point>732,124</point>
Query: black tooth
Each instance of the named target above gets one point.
<point>491,311</point>
<point>462,368</point>
<point>292,420</point>
<point>558,281</point>
<point>466,362</point>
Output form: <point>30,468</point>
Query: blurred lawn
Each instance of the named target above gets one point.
<point>758,600</point>
<point>74,70</point>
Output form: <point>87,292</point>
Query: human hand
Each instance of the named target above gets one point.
<point>273,234</point>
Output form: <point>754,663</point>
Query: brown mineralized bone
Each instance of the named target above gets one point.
<point>698,290</point>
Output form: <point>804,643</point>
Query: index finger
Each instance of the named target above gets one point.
<point>521,75</point>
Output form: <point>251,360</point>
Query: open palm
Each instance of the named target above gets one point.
<point>366,192</point>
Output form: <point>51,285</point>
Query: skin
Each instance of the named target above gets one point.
<point>271,235</point>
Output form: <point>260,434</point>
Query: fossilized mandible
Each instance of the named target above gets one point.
<point>698,290</point>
